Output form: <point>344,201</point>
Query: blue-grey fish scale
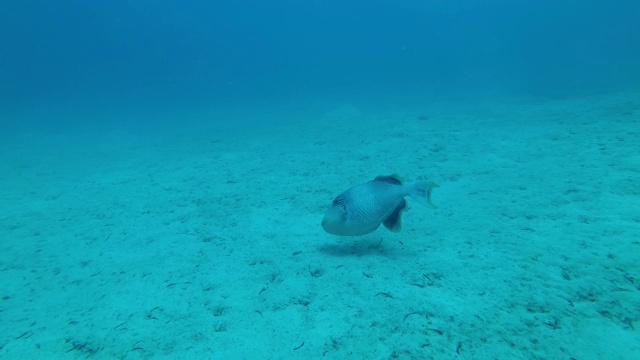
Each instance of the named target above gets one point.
<point>369,204</point>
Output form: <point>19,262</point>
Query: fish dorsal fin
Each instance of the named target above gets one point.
<point>391,179</point>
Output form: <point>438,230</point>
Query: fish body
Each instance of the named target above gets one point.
<point>361,209</point>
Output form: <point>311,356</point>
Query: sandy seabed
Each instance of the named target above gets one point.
<point>203,241</point>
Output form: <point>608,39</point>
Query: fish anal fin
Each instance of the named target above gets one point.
<point>394,221</point>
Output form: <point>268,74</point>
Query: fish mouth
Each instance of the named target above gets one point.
<point>327,225</point>
<point>324,224</point>
<point>333,220</point>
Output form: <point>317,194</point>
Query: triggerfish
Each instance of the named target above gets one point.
<point>361,209</point>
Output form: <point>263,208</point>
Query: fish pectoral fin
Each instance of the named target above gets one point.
<point>394,221</point>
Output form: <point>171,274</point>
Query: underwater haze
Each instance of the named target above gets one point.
<point>165,167</point>
<point>115,55</point>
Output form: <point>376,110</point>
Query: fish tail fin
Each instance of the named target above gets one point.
<point>421,192</point>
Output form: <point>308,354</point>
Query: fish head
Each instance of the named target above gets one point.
<point>334,221</point>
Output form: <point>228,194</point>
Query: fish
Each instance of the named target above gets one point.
<point>361,209</point>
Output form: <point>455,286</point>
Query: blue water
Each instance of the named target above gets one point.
<point>165,166</point>
<point>167,54</point>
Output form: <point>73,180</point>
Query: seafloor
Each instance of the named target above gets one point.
<point>187,239</point>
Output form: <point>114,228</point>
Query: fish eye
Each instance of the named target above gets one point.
<point>335,202</point>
